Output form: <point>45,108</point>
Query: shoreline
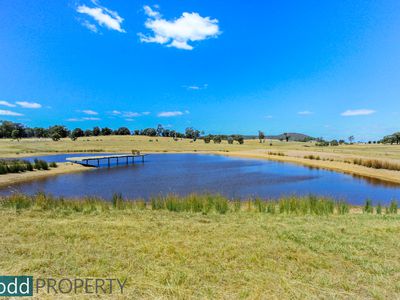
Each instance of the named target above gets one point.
<point>10,179</point>
<point>383,176</point>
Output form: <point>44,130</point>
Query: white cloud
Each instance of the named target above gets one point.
<point>25,104</point>
<point>103,16</point>
<point>130,114</point>
<point>5,103</point>
<point>177,33</point>
<point>268,117</point>
<point>116,112</point>
<point>196,87</point>
<point>73,120</point>
<point>91,119</point>
<point>90,26</point>
<point>305,112</point>
<point>90,112</point>
<point>357,112</point>
<point>172,113</point>
<point>146,113</point>
<point>9,113</point>
<point>129,120</point>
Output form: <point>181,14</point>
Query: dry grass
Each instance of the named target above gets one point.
<point>190,255</point>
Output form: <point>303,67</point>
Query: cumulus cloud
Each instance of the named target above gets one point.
<point>9,113</point>
<point>357,112</point>
<point>305,112</point>
<point>167,114</point>
<point>90,112</point>
<point>25,104</point>
<point>90,26</point>
<point>5,103</point>
<point>103,16</point>
<point>189,27</point>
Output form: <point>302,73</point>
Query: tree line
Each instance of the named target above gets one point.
<point>13,130</point>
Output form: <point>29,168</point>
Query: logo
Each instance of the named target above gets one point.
<point>16,286</point>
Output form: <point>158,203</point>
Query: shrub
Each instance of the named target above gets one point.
<point>53,165</point>
<point>368,208</point>
<point>393,207</point>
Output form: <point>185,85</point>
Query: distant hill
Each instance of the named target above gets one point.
<point>296,137</point>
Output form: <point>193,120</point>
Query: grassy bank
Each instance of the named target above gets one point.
<point>236,254</point>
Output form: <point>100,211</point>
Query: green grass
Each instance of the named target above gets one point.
<point>242,253</point>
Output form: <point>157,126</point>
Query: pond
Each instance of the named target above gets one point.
<point>200,173</point>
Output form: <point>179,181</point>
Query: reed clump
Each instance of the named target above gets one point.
<point>311,156</point>
<point>276,153</point>
<point>376,164</point>
<point>15,166</point>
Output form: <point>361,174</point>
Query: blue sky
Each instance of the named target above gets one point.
<point>326,68</point>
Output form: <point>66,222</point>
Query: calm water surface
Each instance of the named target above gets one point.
<point>186,173</point>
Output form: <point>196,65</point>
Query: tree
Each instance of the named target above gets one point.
<point>40,132</point>
<point>191,133</point>
<point>88,132</point>
<point>61,130</point>
<point>207,139</point>
<point>261,136</point>
<point>136,132</point>
<point>16,134</point>
<point>96,131</point>
<point>55,136</point>
<point>334,143</point>
<point>106,131</point>
<point>240,139</point>
<point>76,133</point>
<point>149,132</point>
<point>230,140</point>
<point>123,131</point>
<point>351,139</point>
<point>160,130</point>
<point>217,139</point>
<point>287,136</point>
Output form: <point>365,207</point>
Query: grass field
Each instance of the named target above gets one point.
<point>334,158</point>
<point>236,255</point>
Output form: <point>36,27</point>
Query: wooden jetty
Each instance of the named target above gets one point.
<point>84,160</point>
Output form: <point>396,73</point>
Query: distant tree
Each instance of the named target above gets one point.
<point>149,132</point>
<point>76,133</point>
<point>351,139</point>
<point>7,127</point>
<point>287,136</point>
<point>123,131</point>
<point>28,132</point>
<point>396,136</point>
<point>55,136</point>
<point>160,130</point>
<point>136,132</point>
<point>207,139</point>
<point>192,133</point>
<point>96,131</point>
<point>106,131</point>
<point>240,139</point>
<point>40,132</point>
<point>88,132</point>
<point>261,136</point>
<point>217,139</point>
<point>16,134</point>
<point>341,142</point>
<point>334,143</point>
<point>61,130</point>
<point>230,140</point>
